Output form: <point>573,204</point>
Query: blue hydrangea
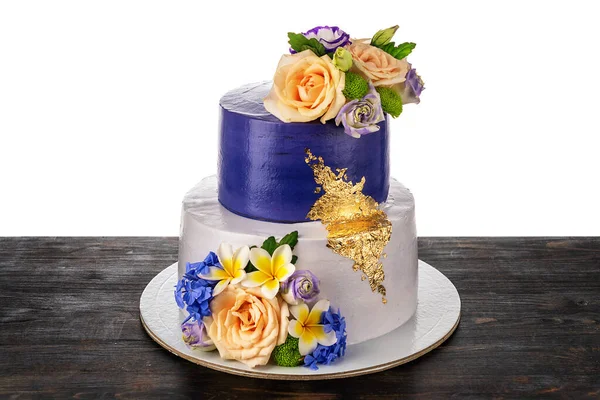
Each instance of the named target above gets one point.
<point>194,270</point>
<point>328,354</point>
<point>193,292</point>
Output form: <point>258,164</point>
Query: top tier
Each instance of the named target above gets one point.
<point>262,172</point>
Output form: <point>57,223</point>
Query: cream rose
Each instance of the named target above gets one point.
<point>245,326</point>
<point>377,65</point>
<point>306,87</point>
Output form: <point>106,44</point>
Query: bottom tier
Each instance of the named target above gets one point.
<point>205,224</point>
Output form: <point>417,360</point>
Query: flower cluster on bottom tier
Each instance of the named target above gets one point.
<point>240,303</point>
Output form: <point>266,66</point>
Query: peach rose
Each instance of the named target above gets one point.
<point>245,326</point>
<point>306,87</point>
<point>377,65</point>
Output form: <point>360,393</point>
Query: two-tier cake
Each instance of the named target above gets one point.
<point>303,244</point>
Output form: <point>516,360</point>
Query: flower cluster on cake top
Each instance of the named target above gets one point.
<point>253,305</point>
<point>354,82</point>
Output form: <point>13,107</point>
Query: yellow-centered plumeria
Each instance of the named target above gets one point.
<point>308,329</point>
<point>233,267</point>
<point>271,270</point>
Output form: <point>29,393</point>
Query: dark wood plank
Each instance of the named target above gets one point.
<point>70,325</point>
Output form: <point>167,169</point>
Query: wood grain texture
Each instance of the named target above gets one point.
<point>70,325</point>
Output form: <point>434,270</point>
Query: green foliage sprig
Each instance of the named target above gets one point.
<point>299,43</point>
<point>400,51</point>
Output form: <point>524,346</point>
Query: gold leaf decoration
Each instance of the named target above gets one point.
<point>357,228</point>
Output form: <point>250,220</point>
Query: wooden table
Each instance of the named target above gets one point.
<point>70,325</point>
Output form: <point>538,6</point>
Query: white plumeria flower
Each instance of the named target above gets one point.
<point>271,270</point>
<point>233,267</point>
<point>308,328</point>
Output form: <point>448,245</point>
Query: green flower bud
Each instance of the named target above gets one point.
<point>342,59</point>
<point>384,36</point>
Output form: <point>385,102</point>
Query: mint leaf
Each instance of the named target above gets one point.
<point>400,51</point>
<point>299,43</point>
<point>294,259</point>
<point>270,245</point>
<point>290,239</point>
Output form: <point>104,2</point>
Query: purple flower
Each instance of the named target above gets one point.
<point>302,285</point>
<point>331,37</point>
<point>194,293</point>
<point>195,336</point>
<point>360,117</point>
<point>412,87</point>
<point>179,293</point>
<point>194,270</point>
<point>328,354</point>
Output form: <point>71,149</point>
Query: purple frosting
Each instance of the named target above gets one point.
<point>331,37</point>
<point>262,172</point>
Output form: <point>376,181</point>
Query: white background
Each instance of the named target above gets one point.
<point>108,109</point>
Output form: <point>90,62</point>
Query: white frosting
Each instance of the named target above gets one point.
<point>205,224</point>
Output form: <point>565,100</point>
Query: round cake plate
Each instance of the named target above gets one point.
<point>436,318</point>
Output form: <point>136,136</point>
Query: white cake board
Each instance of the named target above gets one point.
<point>436,318</point>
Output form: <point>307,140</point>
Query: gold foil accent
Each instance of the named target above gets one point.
<point>357,228</point>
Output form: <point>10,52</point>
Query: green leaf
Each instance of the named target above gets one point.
<point>250,267</point>
<point>294,259</point>
<point>300,43</point>
<point>291,239</point>
<point>270,245</point>
<point>400,51</point>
